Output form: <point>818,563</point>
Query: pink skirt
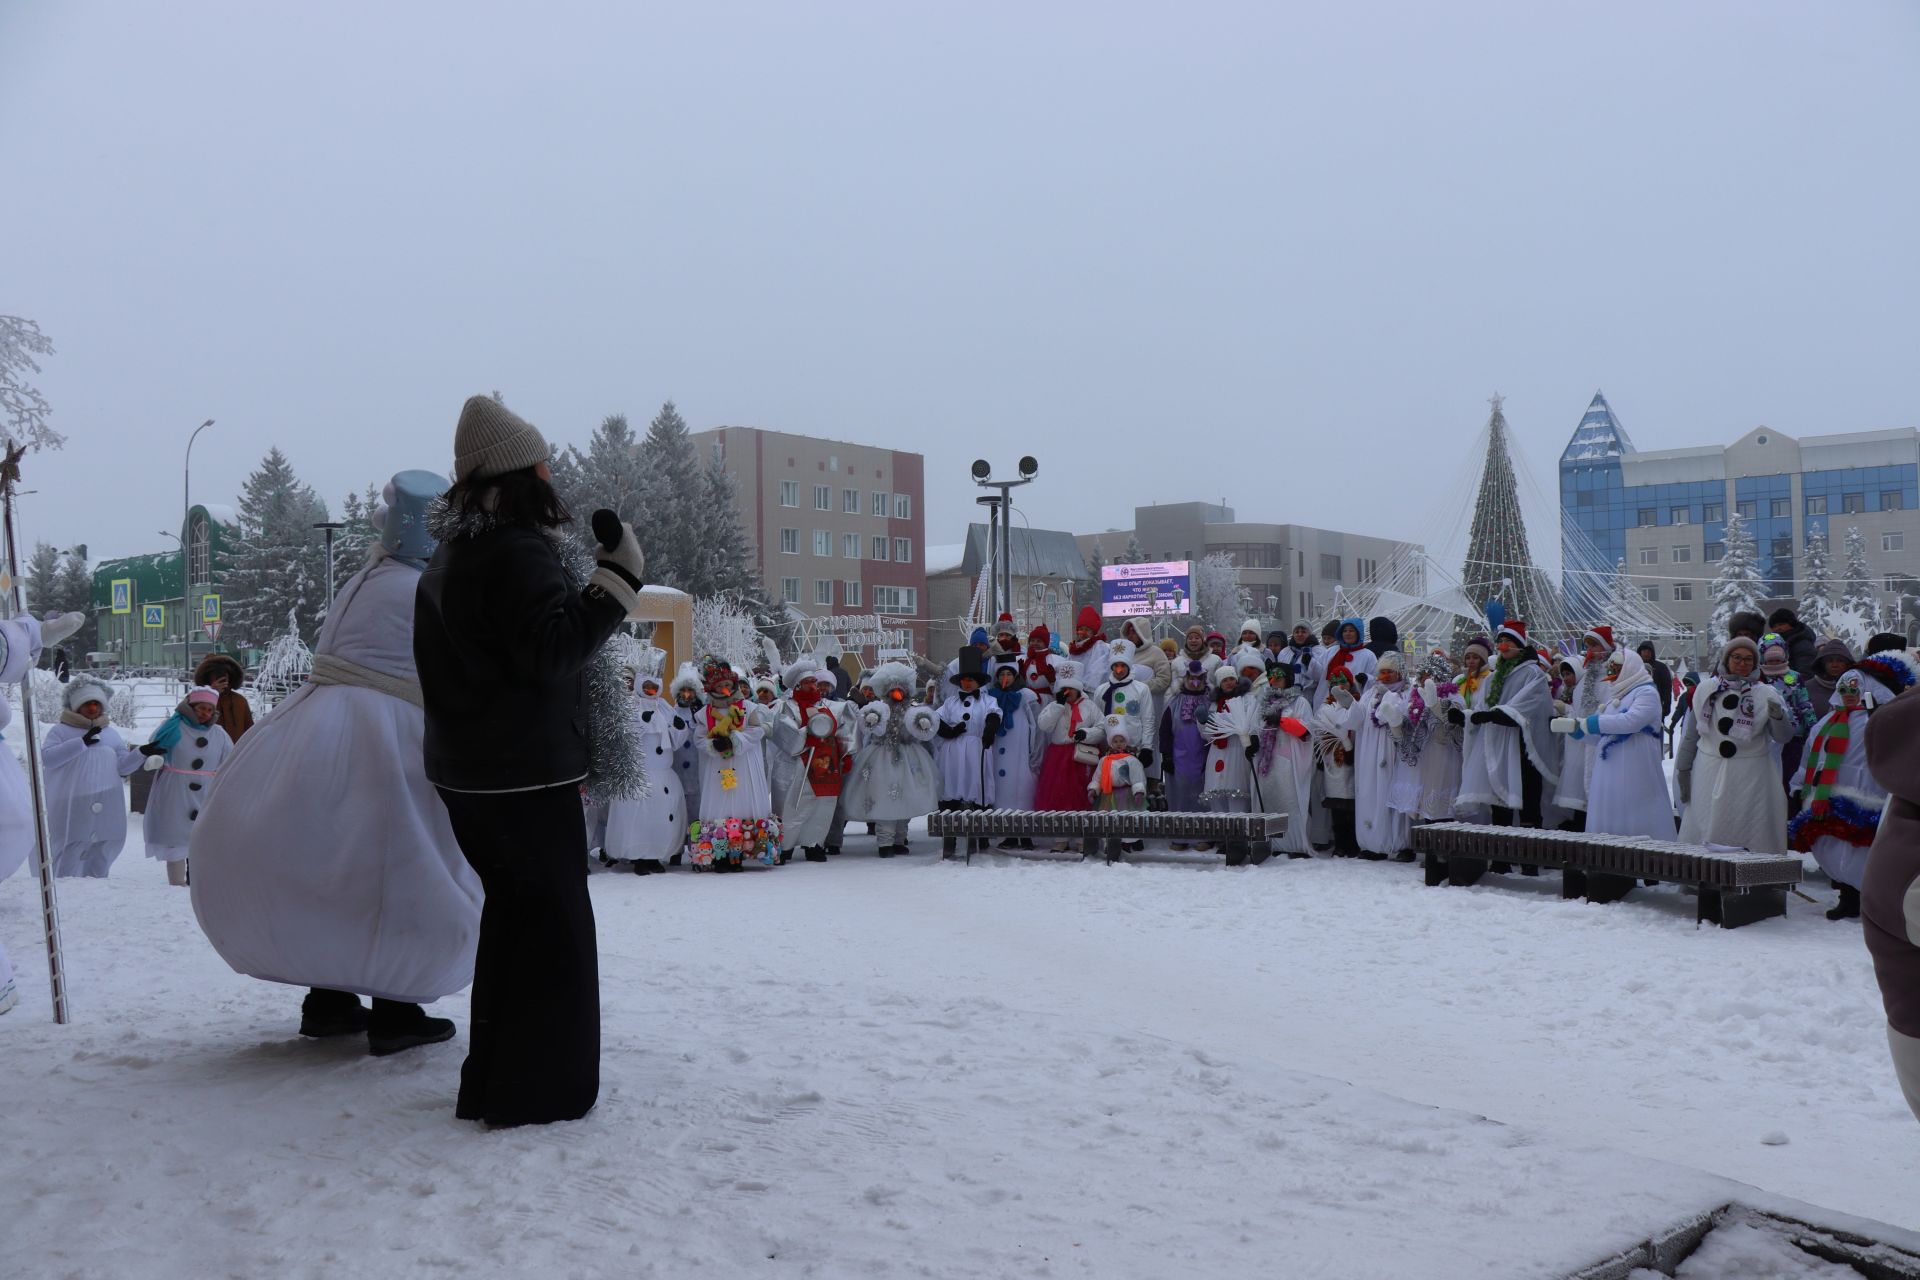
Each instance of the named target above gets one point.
<point>1062,787</point>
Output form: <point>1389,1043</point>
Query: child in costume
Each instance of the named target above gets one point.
<point>1841,802</point>
<point>84,758</point>
<point>647,830</point>
<point>187,750</point>
<point>1119,781</point>
<point>736,822</point>
<point>894,778</point>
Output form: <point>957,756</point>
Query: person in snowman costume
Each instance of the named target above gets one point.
<point>815,733</point>
<point>969,722</point>
<point>1119,781</point>
<point>894,778</point>
<point>646,830</point>
<point>1015,754</point>
<point>685,692</point>
<point>187,751</point>
<point>325,820</point>
<point>21,641</point>
<point>84,758</point>
<point>736,820</point>
<point>1124,694</point>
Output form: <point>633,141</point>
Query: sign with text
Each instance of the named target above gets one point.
<point>1134,590</point>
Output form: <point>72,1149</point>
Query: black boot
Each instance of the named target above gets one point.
<point>395,1025</point>
<point>833,851</point>
<point>1849,905</point>
<point>649,867</point>
<point>326,1012</point>
<point>886,851</point>
<point>816,854</point>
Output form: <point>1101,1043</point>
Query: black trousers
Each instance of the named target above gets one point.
<point>535,1055</point>
<point>1530,797</point>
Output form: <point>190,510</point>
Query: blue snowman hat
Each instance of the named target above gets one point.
<point>402,515</point>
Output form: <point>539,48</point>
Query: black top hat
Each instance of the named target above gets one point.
<point>972,663</point>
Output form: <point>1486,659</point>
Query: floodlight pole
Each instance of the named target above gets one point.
<point>1001,508</point>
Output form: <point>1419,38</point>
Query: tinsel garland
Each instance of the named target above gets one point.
<point>1824,756</point>
<point>1845,817</point>
<point>614,768</point>
<point>1615,739</point>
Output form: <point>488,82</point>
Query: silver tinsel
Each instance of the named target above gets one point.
<point>614,768</point>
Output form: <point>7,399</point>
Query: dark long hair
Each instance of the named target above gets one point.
<point>517,497</point>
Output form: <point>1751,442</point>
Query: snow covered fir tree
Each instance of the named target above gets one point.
<point>278,569</point>
<point>1738,585</point>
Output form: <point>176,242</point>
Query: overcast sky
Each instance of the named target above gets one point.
<point>1277,254</point>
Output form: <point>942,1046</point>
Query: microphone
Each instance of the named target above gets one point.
<point>606,529</point>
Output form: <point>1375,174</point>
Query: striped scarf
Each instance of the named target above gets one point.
<point>1824,754</point>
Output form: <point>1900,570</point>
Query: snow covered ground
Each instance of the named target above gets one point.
<point>1017,1068</point>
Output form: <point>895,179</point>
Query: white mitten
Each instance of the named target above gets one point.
<point>1562,724</point>
<point>618,574</point>
<point>154,764</point>
<point>874,716</point>
<point>58,626</point>
<point>1342,697</point>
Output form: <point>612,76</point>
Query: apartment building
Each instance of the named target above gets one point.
<point>839,528</point>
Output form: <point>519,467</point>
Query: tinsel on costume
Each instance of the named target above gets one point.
<point>1501,667</point>
<point>1615,739</point>
<point>1843,816</point>
<point>1824,756</point>
<point>614,768</point>
<point>733,841</point>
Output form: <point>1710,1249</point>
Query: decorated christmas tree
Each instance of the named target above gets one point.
<point>1499,565</point>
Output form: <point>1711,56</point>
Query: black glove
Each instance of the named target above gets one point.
<point>90,737</point>
<point>993,725</point>
<point>1252,750</point>
<point>951,730</point>
<point>151,749</point>
<point>1146,757</point>
<point>1079,735</point>
<point>986,738</point>
<point>1480,717</point>
<point>646,717</point>
<point>723,743</point>
<point>1456,716</point>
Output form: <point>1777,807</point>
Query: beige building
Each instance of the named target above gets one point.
<point>838,528</point>
<point>1049,577</point>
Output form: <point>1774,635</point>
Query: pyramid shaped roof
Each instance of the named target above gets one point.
<point>1599,434</point>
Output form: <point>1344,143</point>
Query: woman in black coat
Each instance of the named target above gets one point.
<point>507,636</point>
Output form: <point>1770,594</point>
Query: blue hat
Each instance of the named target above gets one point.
<point>401,517</point>
<point>979,636</point>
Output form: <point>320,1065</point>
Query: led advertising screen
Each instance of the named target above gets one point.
<point>1131,590</point>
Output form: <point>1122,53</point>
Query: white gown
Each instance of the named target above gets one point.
<point>806,817</point>
<point>1377,825</point>
<point>326,859</point>
<point>733,786</point>
<point>1285,771</point>
<point>964,778</point>
<point>652,826</point>
<point>86,801</point>
<point>1015,754</point>
<point>19,649</point>
<point>1628,793</point>
<point>182,788</point>
<point>1738,800</point>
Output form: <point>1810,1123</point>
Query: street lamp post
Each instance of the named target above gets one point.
<point>1001,509</point>
<point>330,527</point>
<point>186,551</point>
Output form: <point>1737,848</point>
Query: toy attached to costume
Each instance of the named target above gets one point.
<point>736,822</point>
<point>893,778</point>
<point>84,758</point>
<point>187,749</point>
<point>650,828</point>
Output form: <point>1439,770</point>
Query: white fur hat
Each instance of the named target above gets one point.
<point>687,677</point>
<point>798,670</point>
<point>888,676</point>
<point>1392,661</point>
<point>1220,672</point>
<point>1251,624</point>
<point>1066,675</point>
<point>762,684</point>
<point>1121,651</point>
<point>1117,727</point>
<point>1248,656</point>
<point>81,692</point>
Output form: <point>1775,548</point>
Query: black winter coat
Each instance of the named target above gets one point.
<point>502,638</point>
<point>1663,681</point>
<point>1800,652</point>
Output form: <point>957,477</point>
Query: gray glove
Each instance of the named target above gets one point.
<point>1683,779</point>
<point>1342,697</point>
<point>58,626</point>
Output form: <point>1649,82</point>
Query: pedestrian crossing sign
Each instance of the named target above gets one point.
<point>209,608</point>
<point>122,596</point>
<point>153,616</point>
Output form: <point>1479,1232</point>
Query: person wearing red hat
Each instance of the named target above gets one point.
<point>1037,671</point>
<point>1089,646</point>
<point>1519,760</point>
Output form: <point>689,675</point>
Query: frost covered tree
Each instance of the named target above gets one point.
<point>1816,593</point>
<point>609,471</point>
<point>1219,601</point>
<point>567,481</point>
<point>728,562</point>
<point>1737,583</point>
<point>23,410</point>
<point>724,626</point>
<point>73,592</point>
<point>1135,553</point>
<point>674,519</point>
<point>1856,592</point>
<point>43,571</point>
<point>1096,561</point>
<point>351,544</point>
<point>278,567</point>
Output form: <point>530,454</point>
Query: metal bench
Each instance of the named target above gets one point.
<point>1735,888</point>
<point>1103,831</point>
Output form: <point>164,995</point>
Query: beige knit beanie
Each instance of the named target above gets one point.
<point>492,440</point>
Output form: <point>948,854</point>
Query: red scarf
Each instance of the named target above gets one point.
<point>1077,648</point>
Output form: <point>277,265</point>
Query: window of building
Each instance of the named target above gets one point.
<point>789,493</point>
<point>1649,517</point>
<point>1780,507</point>
<point>1852,503</point>
<point>1748,510</point>
<point>833,462</point>
<point>903,550</point>
<point>850,502</point>
<point>879,503</point>
<point>1366,570</point>
<point>1649,555</point>
<point>850,546</point>
<point>1713,512</point>
<point>852,588</point>
<point>1715,551</point>
<point>1682,592</point>
<point>1330,567</point>
<point>1678,515</point>
<point>1682,555</point>
<point>1893,542</point>
<point>903,506</point>
<point>823,542</point>
<point>1300,569</point>
<point>1817,506</point>
<point>880,548</point>
<point>199,553</point>
<point>823,497</point>
<point>789,542</point>
<point>1783,548</point>
<point>790,591</point>
<point>901,600</point>
<point>1650,592</point>
<point>823,591</point>
<point>1902,584</point>
<point>1889,499</point>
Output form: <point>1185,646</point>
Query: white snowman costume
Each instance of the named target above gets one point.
<point>86,801</point>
